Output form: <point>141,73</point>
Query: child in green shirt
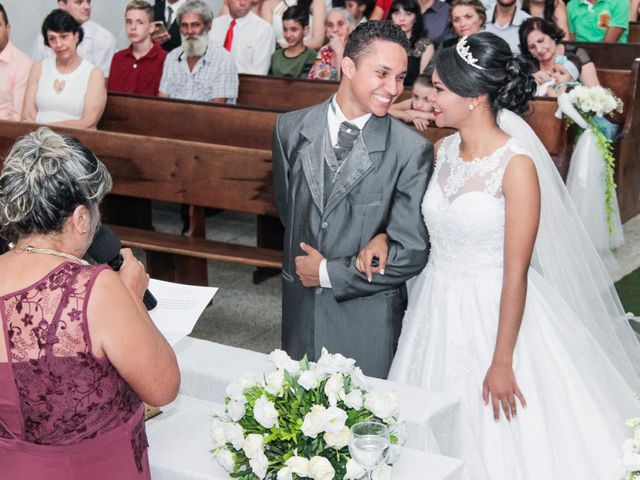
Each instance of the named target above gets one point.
<point>296,60</point>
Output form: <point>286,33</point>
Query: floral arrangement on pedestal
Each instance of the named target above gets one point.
<point>295,423</point>
<point>593,104</point>
<point>629,463</point>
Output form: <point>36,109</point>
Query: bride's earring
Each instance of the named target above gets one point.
<point>471,107</point>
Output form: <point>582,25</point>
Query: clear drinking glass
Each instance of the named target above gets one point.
<point>369,444</point>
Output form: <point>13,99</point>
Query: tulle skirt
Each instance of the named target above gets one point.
<point>573,426</point>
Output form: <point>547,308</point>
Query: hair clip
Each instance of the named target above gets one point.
<point>463,50</point>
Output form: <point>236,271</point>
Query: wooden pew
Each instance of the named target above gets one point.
<point>205,175</point>
<point>634,32</point>
<point>606,55</point>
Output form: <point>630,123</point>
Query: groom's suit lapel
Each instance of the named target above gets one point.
<point>311,155</point>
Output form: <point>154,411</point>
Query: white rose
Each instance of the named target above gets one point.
<point>631,460</point>
<point>636,438</point>
<point>275,382</point>
<point>259,464</point>
<point>338,440</point>
<point>358,380</point>
<point>298,465</point>
<point>334,388</point>
<point>235,390</point>
<point>284,474</point>
<point>335,363</point>
<point>283,361</point>
<point>218,435</point>
<point>236,410</point>
<point>321,469</point>
<point>353,399</point>
<point>234,434</point>
<point>381,404</point>
<point>354,470</point>
<point>252,445</point>
<point>265,412</point>
<point>309,379</point>
<point>334,420</point>
<point>225,459</point>
<point>381,472</point>
<point>314,421</point>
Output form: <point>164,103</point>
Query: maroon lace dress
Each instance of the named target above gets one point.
<point>64,414</point>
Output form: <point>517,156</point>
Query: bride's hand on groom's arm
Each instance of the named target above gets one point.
<point>501,388</point>
<point>378,247</point>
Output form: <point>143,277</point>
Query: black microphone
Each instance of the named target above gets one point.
<point>105,248</point>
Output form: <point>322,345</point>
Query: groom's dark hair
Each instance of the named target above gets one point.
<point>363,37</point>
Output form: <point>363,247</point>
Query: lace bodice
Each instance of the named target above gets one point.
<point>464,210</point>
<point>65,394</point>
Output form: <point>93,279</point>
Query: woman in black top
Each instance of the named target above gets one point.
<point>406,14</point>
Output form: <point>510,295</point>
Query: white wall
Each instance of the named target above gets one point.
<point>26,18</point>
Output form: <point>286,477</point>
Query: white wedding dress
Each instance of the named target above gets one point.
<point>573,426</point>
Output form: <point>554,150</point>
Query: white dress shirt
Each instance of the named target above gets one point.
<point>335,117</point>
<point>97,46</point>
<point>253,42</point>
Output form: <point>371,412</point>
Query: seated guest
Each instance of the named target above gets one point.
<point>65,90</point>
<point>296,60</point>
<point>14,71</point>
<point>435,18</point>
<point>554,11</point>
<point>272,11</point>
<point>417,110</point>
<point>245,35</point>
<point>406,15</point>
<point>359,9</point>
<point>199,70</point>
<point>540,41</point>
<point>339,26</point>
<point>504,20</point>
<point>138,69</point>
<point>467,17</point>
<point>98,45</point>
<point>79,352</point>
<point>165,12</point>
<point>599,20</point>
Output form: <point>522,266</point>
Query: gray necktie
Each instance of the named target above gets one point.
<point>169,15</point>
<point>347,135</point>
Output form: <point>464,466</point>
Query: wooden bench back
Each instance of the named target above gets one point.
<point>217,176</point>
<point>634,32</point>
<point>194,121</point>
<point>605,55</point>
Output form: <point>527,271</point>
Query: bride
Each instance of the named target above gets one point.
<point>515,312</point>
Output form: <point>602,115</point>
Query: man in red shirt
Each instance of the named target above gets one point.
<point>138,69</point>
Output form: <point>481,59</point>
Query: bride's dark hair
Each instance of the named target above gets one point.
<point>504,77</point>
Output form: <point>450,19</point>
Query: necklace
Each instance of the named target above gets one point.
<point>58,86</point>
<point>48,251</point>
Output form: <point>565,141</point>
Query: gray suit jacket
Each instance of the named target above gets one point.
<point>379,189</point>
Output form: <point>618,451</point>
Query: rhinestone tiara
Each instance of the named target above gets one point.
<point>463,50</point>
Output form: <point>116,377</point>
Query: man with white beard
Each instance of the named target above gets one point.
<point>198,70</point>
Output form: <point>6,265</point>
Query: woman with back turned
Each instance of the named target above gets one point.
<point>78,351</point>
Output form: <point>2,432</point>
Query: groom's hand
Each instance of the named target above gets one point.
<point>308,266</point>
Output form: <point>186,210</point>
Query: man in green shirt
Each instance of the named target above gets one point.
<point>599,20</point>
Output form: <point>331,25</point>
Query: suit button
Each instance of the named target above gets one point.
<point>324,225</point>
<point>318,290</point>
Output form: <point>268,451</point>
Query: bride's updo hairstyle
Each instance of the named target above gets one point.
<point>44,178</point>
<point>482,64</point>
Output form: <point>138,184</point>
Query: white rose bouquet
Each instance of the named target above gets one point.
<point>629,463</point>
<point>593,103</point>
<point>296,422</point>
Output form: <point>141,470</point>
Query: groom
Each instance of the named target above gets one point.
<point>343,172</point>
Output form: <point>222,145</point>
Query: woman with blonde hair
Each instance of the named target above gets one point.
<point>78,351</point>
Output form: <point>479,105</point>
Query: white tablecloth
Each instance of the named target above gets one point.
<point>180,444</point>
<point>436,422</point>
